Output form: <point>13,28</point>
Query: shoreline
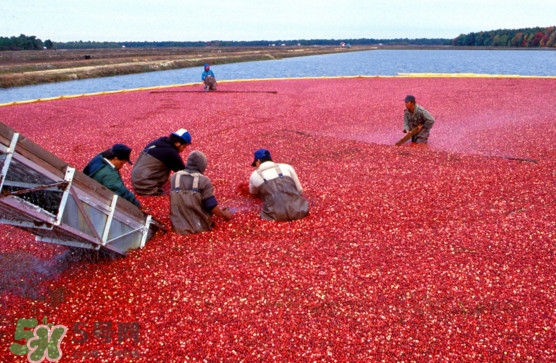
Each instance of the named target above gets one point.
<point>24,68</point>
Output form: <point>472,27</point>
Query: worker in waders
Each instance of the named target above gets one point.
<point>157,160</point>
<point>278,187</point>
<point>192,200</point>
<point>415,115</point>
<point>208,78</point>
<point>105,169</point>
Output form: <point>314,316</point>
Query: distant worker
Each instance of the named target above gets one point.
<point>192,200</point>
<point>415,115</point>
<point>278,187</point>
<point>105,169</point>
<point>155,163</point>
<point>208,79</point>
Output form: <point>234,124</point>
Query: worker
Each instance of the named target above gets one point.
<point>155,163</point>
<point>192,200</point>
<point>105,169</point>
<point>208,79</point>
<point>279,188</point>
<point>415,115</point>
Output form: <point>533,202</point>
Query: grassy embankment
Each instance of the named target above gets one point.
<point>21,68</point>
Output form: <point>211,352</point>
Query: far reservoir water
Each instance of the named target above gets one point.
<point>364,63</point>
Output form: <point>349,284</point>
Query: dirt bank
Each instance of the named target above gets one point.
<point>21,68</point>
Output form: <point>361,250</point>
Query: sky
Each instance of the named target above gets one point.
<point>187,20</point>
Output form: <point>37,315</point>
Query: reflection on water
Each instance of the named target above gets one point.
<point>366,63</point>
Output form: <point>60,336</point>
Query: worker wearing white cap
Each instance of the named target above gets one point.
<point>155,163</point>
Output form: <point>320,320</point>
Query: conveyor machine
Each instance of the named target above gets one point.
<point>44,195</point>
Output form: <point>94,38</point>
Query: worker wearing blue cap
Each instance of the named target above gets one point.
<point>208,79</point>
<point>278,187</point>
<point>155,163</point>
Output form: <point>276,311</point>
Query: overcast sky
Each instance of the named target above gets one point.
<point>187,20</point>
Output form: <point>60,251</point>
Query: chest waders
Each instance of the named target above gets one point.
<point>281,199</point>
<point>148,174</point>
<point>186,207</point>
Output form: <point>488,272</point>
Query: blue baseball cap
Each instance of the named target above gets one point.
<point>261,154</point>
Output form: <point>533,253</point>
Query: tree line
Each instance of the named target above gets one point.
<point>521,38</point>
<point>260,43</point>
<point>518,38</point>
<point>24,42</point>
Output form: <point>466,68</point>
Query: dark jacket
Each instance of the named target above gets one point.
<point>154,165</point>
<point>163,150</point>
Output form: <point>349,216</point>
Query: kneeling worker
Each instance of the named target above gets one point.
<point>192,200</point>
<point>278,187</point>
<point>208,79</point>
<point>105,169</point>
<point>155,163</point>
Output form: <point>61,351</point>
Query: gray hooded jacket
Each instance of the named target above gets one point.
<point>192,197</point>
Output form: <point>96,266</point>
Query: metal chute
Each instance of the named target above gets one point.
<point>44,195</point>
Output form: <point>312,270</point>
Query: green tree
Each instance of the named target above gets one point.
<point>48,44</point>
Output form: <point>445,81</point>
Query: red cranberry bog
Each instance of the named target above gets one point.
<point>438,253</point>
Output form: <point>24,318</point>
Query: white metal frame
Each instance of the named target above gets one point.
<point>88,214</point>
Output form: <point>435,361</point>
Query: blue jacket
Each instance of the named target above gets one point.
<point>99,169</point>
<point>206,74</point>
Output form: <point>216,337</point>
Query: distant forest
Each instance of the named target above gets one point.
<point>24,42</point>
<point>517,38</point>
<point>28,43</point>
